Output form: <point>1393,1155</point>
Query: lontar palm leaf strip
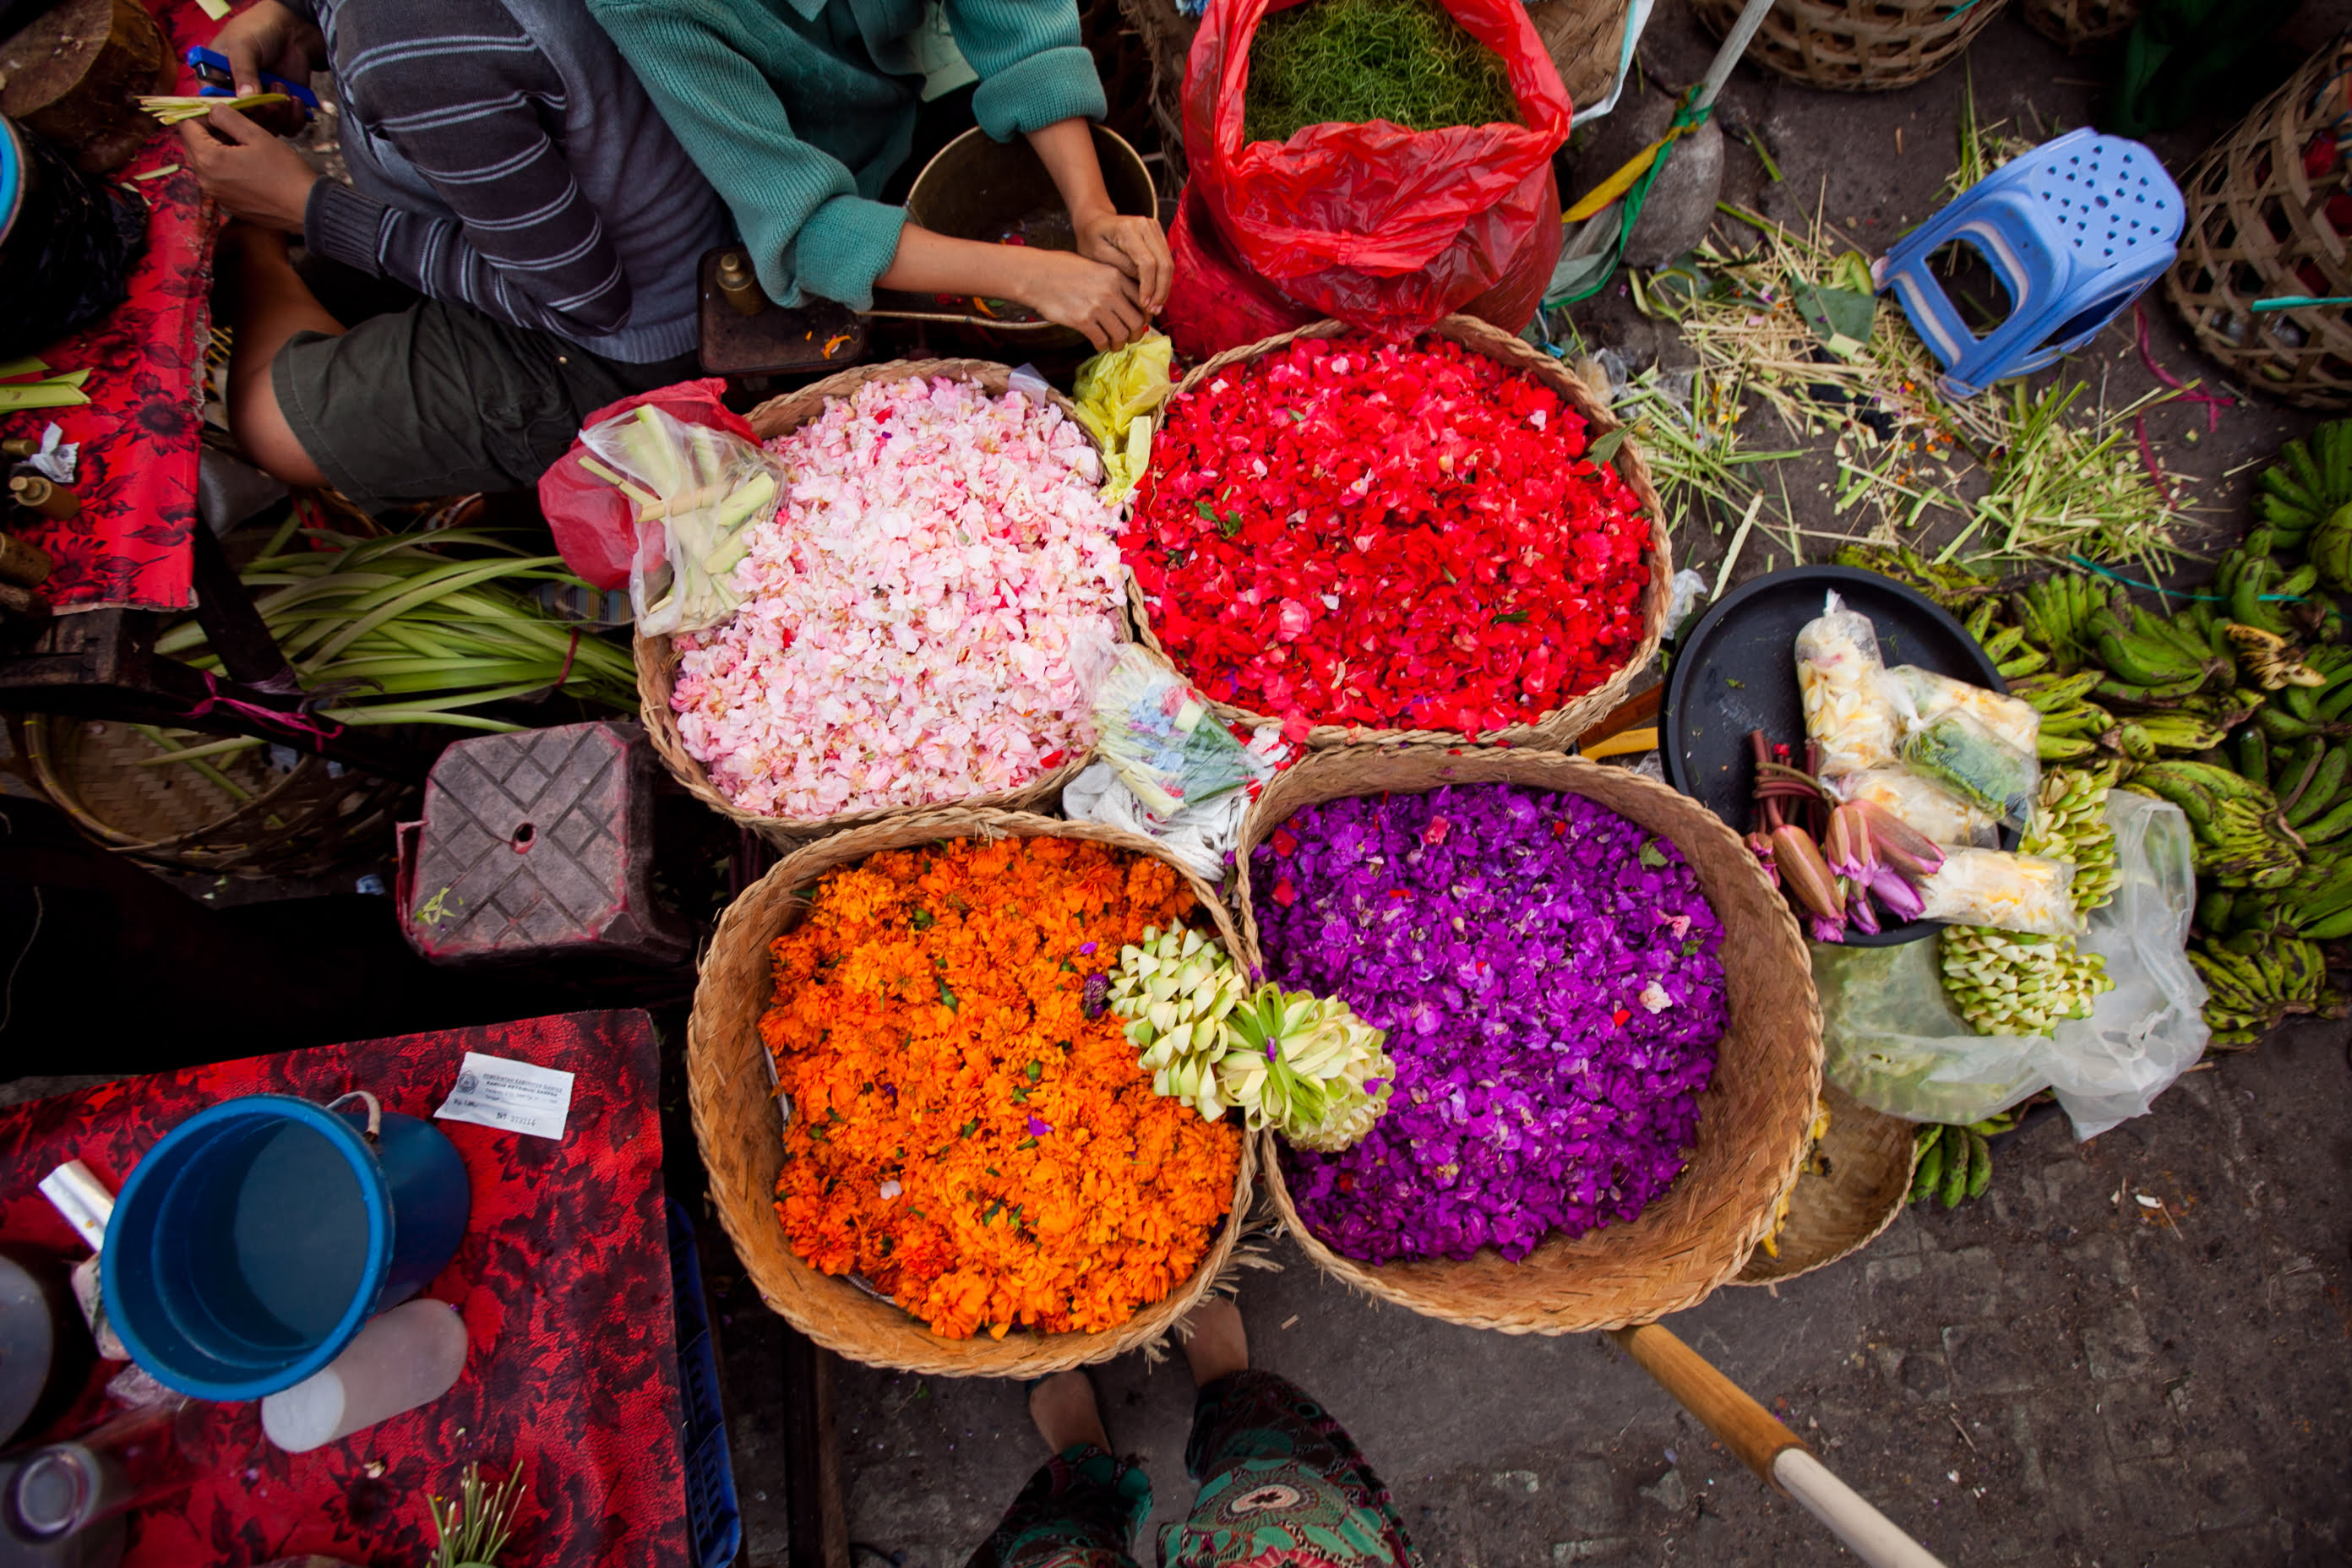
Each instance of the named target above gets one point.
<point>398,631</point>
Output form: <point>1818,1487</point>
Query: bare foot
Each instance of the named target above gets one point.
<point>1064,1408</point>
<point>1218,1345</point>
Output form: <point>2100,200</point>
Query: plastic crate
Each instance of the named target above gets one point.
<point>713,1520</point>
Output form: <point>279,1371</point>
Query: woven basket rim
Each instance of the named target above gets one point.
<point>1561,725</point>
<point>2250,177</point>
<point>1833,1217</point>
<point>657,658</point>
<point>307,795</point>
<point>829,1309</point>
<point>1689,1269</point>
<point>1857,45</point>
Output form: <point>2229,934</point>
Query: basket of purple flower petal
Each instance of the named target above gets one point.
<point>1606,1042</point>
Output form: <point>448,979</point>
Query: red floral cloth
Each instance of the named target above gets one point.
<point>563,1280</point>
<point>138,433</point>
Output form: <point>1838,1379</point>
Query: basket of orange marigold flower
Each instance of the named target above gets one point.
<point>928,1137</point>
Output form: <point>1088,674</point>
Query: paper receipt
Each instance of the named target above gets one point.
<point>514,1096</point>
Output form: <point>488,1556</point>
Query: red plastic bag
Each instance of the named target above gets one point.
<point>1215,303</point>
<point>596,530</point>
<point>1379,225</point>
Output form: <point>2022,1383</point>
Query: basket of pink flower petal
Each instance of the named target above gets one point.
<point>1605,1044</point>
<point>921,622</point>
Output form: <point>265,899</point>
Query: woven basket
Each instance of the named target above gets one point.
<point>741,1132</point>
<point>1167,34</point>
<point>1560,727</point>
<point>1866,1180</point>
<point>304,822</point>
<point>657,660</point>
<point>2081,26</point>
<point>2258,227</point>
<point>1753,1116</point>
<point>1857,45</point>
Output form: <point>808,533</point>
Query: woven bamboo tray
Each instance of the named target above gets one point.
<point>2081,26</point>
<point>740,1128</point>
<point>1857,45</point>
<point>2258,227</point>
<point>1866,1158</point>
<point>1753,1115</point>
<point>1559,727</point>
<point>657,660</point>
<point>304,822</point>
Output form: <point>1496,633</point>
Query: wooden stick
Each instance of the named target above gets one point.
<point>1776,1454</point>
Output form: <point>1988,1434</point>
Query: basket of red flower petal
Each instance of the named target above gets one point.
<point>1439,540</point>
<point>1606,1045</point>
<point>926,1130</point>
<point>921,619</point>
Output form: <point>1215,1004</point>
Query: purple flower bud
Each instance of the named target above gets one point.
<point>1096,996</point>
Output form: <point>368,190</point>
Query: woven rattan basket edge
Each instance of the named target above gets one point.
<point>1833,1217</point>
<point>1562,725</point>
<point>1843,45</point>
<point>829,1309</point>
<point>1760,915</point>
<point>657,658</point>
<point>2226,189</point>
<point>316,830</point>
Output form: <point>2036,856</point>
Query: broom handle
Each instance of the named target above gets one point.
<point>1765,1446</point>
<point>1735,44</point>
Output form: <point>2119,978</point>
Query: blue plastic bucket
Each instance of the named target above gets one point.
<point>256,1238</point>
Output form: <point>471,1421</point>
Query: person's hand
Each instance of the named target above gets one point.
<point>252,175</point>
<point>270,37</point>
<point>1072,291</point>
<point>1133,245</point>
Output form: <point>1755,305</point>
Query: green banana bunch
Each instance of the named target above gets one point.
<point>1954,1163</point>
<point>2307,483</point>
<point>1951,586</point>
<point>2070,823</point>
<point>1307,1066</point>
<point>1177,989</point>
<point>2147,654</point>
<point>2055,612</point>
<point>2003,983</point>
<point>2252,991</point>
<point>2241,835</point>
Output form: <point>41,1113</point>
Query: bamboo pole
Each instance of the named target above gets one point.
<point>1777,1455</point>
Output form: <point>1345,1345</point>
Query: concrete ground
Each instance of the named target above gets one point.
<point>2057,1374</point>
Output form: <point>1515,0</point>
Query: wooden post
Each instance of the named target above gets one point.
<point>75,76</point>
<point>1777,1455</point>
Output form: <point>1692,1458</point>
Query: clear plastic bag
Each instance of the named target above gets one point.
<point>2009,892</point>
<point>698,493</point>
<point>1850,711</point>
<point>1983,768</point>
<point>1895,1043</point>
<point>1922,804</point>
<point>1922,695</point>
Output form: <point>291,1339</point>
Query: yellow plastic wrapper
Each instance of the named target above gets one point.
<point>1117,393</point>
<point>2010,892</point>
<point>1923,805</point>
<point>1848,713</point>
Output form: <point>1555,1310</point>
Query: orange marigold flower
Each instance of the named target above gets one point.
<point>960,1133</point>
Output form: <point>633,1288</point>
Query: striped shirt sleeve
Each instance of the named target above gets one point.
<point>461,92</point>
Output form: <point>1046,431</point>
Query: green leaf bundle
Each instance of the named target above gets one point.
<point>1349,61</point>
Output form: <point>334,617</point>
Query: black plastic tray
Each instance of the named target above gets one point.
<point>1736,671</point>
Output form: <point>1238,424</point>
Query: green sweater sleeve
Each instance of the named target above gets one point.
<point>1033,69</point>
<point>797,208</point>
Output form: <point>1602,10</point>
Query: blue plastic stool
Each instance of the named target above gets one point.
<point>2075,230</point>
